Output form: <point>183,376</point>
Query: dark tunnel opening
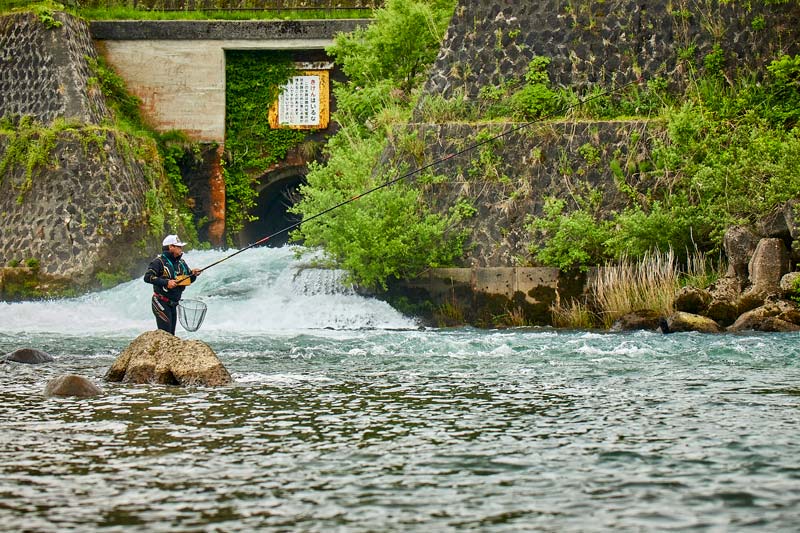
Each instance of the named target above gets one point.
<point>273,213</point>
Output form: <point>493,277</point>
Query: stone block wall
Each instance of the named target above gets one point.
<point>509,179</point>
<point>81,207</point>
<point>44,72</point>
<point>609,42</point>
<point>80,214</point>
<point>590,44</point>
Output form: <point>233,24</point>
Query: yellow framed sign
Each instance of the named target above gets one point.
<point>304,102</point>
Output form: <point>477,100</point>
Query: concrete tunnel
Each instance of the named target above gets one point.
<point>278,191</point>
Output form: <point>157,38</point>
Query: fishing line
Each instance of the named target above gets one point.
<point>519,127</point>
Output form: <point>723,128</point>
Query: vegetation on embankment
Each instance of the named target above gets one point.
<point>216,10</point>
<point>728,155</point>
<point>389,233</point>
<point>108,149</point>
<point>161,152</point>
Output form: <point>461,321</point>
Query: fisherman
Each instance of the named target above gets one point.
<point>170,275</point>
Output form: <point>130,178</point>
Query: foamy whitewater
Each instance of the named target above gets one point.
<point>346,416</point>
<point>262,290</point>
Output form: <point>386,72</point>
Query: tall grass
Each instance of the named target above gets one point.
<point>701,270</point>
<point>576,314</point>
<point>629,285</point>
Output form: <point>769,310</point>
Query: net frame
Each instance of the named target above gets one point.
<point>191,314</point>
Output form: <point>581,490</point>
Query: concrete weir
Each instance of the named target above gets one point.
<point>493,296</point>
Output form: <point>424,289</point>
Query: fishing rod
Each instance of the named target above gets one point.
<point>565,109</point>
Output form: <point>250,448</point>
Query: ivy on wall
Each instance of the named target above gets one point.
<point>167,210</point>
<point>253,82</point>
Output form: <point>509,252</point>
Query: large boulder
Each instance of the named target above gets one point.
<point>774,315</point>
<point>724,304</point>
<point>680,321</point>
<point>692,300</point>
<point>739,243</point>
<point>776,224</point>
<point>30,356</point>
<point>71,385</point>
<point>158,357</point>
<point>642,319</point>
<point>788,282</point>
<point>748,322</point>
<point>769,263</point>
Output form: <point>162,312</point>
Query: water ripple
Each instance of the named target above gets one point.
<point>414,431</point>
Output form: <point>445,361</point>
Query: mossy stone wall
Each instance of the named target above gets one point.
<point>508,180</point>
<point>593,42</point>
<point>44,72</point>
<point>81,209</point>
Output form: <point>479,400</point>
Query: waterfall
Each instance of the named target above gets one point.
<point>260,290</point>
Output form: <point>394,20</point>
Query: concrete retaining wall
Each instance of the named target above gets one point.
<point>177,68</point>
<point>489,297</point>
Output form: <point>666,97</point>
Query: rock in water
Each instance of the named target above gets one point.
<point>71,385</point>
<point>30,356</point>
<point>158,357</point>
<point>680,321</point>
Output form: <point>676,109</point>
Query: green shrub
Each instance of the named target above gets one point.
<point>390,232</point>
<point>535,99</point>
<point>639,232</point>
<point>784,91</point>
<point>574,240</point>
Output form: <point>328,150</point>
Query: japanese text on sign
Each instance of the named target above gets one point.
<point>298,104</point>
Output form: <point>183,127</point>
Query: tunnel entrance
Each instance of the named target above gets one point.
<point>272,210</point>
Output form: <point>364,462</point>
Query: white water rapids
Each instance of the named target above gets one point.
<point>259,290</point>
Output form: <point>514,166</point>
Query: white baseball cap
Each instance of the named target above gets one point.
<point>173,240</point>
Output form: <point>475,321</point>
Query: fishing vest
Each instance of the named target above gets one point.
<point>170,270</point>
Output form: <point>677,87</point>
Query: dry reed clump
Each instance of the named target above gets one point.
<point>575,314</point>
<point>629,286</point>
<point>512,318</point>
<point>701,270</point>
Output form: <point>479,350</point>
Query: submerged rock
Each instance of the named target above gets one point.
<point>71,385</point>
<point>30,356</point>
<point>158,357</point>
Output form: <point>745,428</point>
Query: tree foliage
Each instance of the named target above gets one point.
<point>732,153</point>
<point>389,233</point>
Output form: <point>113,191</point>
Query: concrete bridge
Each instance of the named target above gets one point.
<point>177,69</point>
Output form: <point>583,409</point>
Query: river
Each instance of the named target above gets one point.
<point>346,416</point>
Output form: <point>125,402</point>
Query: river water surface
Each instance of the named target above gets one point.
<point>345,416</point>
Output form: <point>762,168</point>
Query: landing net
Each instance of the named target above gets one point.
<point>191,314</point>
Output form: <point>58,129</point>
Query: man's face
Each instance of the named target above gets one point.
<point>176,251</point>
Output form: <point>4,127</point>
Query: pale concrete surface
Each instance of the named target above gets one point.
<point>182,83</point>
<point>177,68</point>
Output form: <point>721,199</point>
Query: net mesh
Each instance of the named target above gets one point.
<point>191,314</point>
